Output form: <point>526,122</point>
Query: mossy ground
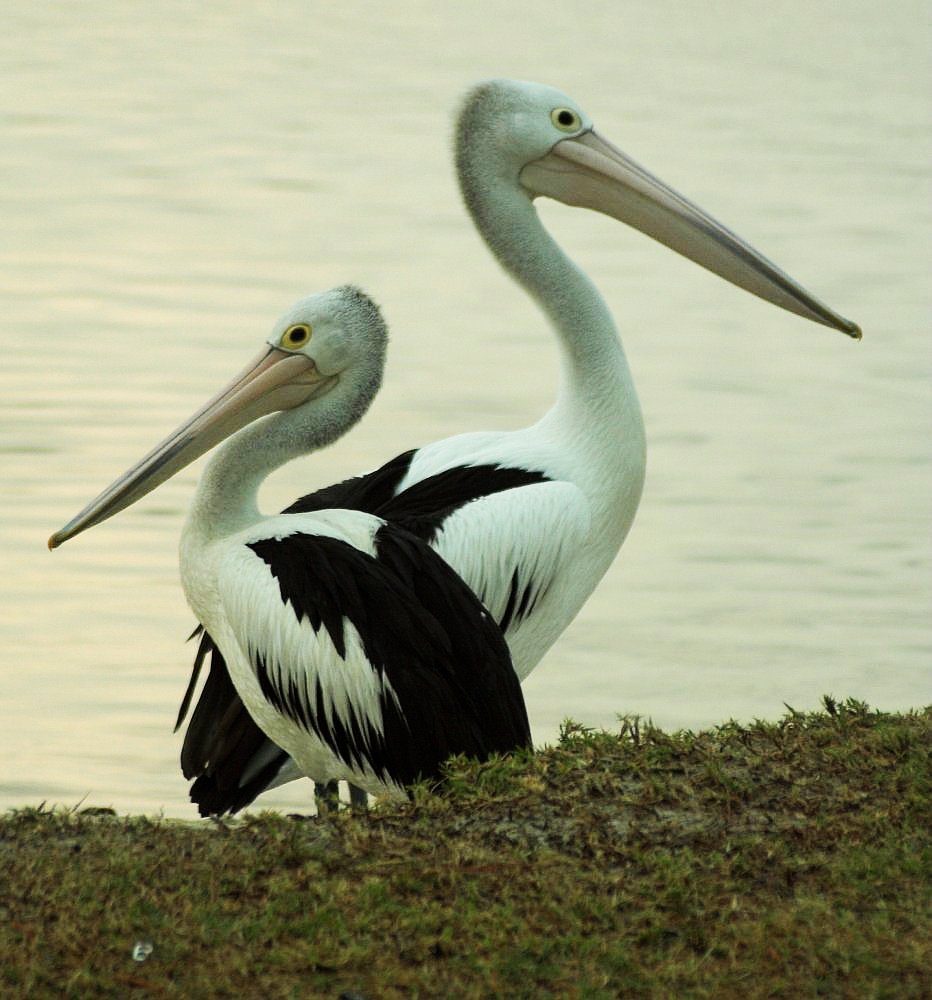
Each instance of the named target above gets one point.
<point>772,860</point>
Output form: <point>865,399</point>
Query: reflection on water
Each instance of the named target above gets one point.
<point>174,176</point>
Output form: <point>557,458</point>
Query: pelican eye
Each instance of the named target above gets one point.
<point>565,119</point>
<point>296,336</point>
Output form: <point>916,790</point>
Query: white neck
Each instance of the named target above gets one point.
<point>597,412</point>
<point>226,500</point>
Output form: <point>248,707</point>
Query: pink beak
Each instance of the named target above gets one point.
<point>589,171</point>
<point>275,380</point>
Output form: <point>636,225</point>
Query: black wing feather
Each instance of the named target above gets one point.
<point>432,640</point>
<point>222,744</point>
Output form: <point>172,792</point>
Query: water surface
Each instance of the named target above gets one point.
<point>173,176</point>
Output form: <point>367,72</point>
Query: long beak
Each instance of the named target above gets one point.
<point>589,171</point>
<point>275,380</point>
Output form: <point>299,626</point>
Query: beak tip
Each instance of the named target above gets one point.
<point>853,331</point>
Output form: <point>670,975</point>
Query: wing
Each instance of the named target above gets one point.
<point>424,507</point>
<point>369,492</point>
<point>511,547</point>
<point>386,657</point>
<point>230,757</point>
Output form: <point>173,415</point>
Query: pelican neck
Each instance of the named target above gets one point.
<point>596,382</point>
<point>226,499</point>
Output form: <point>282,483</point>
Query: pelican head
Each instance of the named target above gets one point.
<point>329,346</point>
<point>512,132</point>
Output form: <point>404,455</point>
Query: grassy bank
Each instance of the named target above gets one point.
<point>788,859</point>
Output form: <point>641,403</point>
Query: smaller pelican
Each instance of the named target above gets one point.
<point>353,645</point>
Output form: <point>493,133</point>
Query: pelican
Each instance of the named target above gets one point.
<point>529,519</point>
<point>352,644</point>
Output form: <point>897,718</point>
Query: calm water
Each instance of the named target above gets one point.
<point>173,176</point>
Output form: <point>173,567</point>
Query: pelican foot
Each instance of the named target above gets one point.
<point>326,796</point>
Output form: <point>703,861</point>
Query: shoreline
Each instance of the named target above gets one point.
<point>786,858</point>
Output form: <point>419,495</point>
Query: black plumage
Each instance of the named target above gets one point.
<point>231,759</point>
<point>422,630</point>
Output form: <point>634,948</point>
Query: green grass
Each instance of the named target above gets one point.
<point>787,859</point>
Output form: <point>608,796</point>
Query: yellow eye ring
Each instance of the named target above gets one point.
<point>565,119</point>
<point>295,337</point>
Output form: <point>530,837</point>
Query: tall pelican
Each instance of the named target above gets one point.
<point>351,642</point>
<point>529,519</point>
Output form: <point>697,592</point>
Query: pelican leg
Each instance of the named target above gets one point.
<point>359,798</point>
<point>327,796</point>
